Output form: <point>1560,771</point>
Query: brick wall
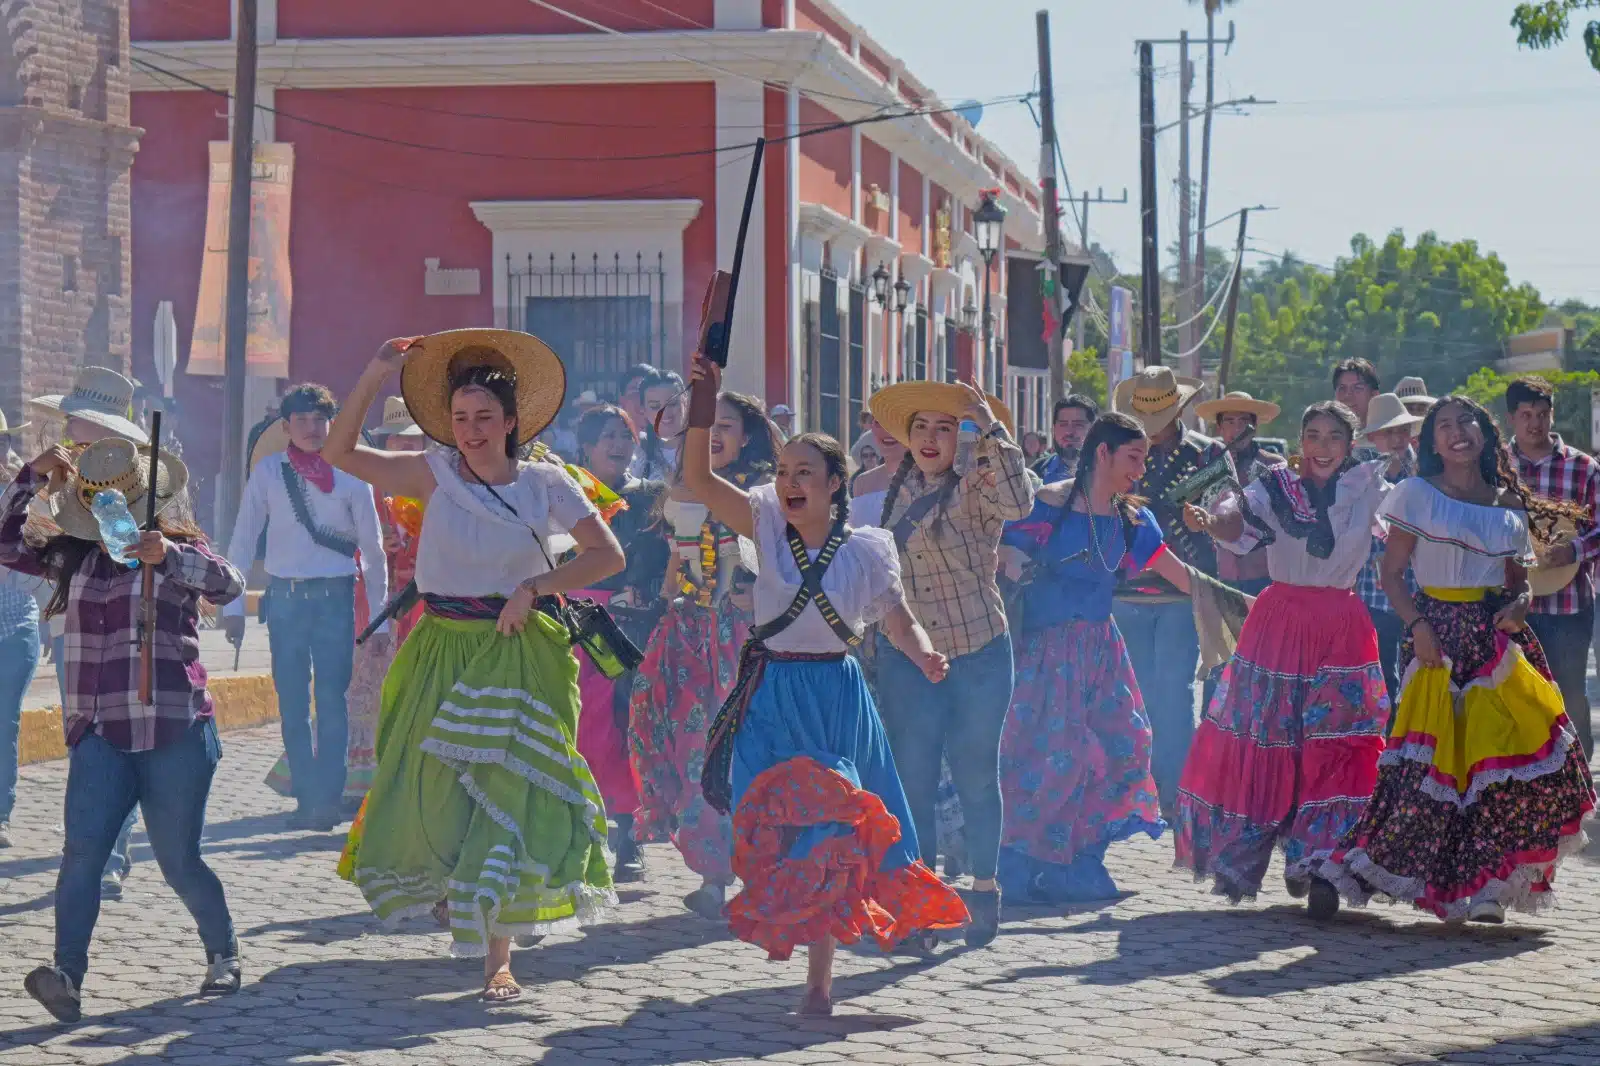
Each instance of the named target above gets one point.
<point>66,148</point>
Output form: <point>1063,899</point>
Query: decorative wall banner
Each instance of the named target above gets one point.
<point>271,286</point>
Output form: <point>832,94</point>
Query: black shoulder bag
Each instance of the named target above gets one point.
<point>589,625</point>
<point>716,782</point>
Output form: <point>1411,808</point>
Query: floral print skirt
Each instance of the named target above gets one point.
<point>690,664</point>
<point>1287,753</point>
<point>823,839</point>
<point>1483,787</point>
<point>1074,763</point>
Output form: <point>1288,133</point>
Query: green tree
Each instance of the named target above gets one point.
<point>1572,400</point>
<point>1546,23</point>
<point>1087,375</point>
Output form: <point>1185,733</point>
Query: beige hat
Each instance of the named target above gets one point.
<point>1549,580</point>
<point>895,405</point>
<point>1388,411</point>
<point>541,377</point>
<point>115,463</point>
<point>273,439</point>
<point>6,428</point>
<point>1239,403</point>
<point>1413,392</point>
<point>101,396</point>
<point>1155,396</point>
<point>397,420</point>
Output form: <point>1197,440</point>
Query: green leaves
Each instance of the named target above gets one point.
<point>1546,24</point>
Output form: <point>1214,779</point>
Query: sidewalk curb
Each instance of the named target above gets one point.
<point>241,703</point>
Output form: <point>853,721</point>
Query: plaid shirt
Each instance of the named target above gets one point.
<point>1567,474</point>
<point>1164,468</point>
<point>102,634</point>
<point>949,571</point>
<point>1369,585</point>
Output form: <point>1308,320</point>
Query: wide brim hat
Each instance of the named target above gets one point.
<point>7,428</point>
<point>273,439</point>
<point>397,421</point>
<point>541,377</point>
<point>115,463</point>
<point>1388,411</point>
<point>895,405</point>
<point>1155,397</point>
<point>1237,403</point>
<point>1549,580</point>
<point>104,397</point>
<point>1419,396</point>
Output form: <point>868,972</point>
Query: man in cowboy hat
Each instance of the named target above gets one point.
<point>1562,618</point>
<point>1156,620</point>
<point>318,522</point>
<point>1389,429</point>
<point>1413,392</point>
<point>1235,418</point>
<point>783,417</point>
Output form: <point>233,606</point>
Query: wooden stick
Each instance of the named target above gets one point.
<point>147,596</point>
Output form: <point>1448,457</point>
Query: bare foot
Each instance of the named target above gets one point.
<point>816,1004</point>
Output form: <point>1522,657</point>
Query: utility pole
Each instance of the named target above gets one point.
<point>1233,305</point>
<point>1150,250</point>
<point>1185,296</point>
<point>238,329</point>
<point>1083,243</point>
<point>1052,199</point>
<point>1205,131</point>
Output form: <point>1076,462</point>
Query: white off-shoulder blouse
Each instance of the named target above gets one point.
<point>1459,544</point>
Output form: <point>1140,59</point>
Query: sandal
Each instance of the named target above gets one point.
<point>502,988</point>
<point>816,1004</point>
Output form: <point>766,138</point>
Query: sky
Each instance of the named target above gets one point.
<point>1392,114</point>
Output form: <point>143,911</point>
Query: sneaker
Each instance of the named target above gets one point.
<point>630,864</point>
<point>5,834</point>
<point>1323,903</point>
<point>55,992</point>
<point>223,975</point>
<point>111,888</point>
<point>1487,912</point>
<point>707,901</point>
<point>1297,887</point>
<point>985,910</point>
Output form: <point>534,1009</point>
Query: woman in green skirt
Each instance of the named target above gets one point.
<point>482,812</point>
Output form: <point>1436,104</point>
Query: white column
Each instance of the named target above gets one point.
<point>739,115</point>
<point>897,350</point>
<point>791,202</point>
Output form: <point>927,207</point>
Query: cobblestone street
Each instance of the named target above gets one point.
<point>1167,975</point>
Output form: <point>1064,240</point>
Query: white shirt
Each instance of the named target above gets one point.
<point>862,582</point>
<point>1357,496</point>
<point>1460,545</point>
<point>349,510</point>
<point>471,546</point>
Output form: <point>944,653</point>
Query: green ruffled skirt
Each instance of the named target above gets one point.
<point>480,797</point>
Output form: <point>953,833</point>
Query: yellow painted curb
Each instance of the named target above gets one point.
<point>241,702</point>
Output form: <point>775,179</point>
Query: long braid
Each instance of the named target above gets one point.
<point>896,483</point>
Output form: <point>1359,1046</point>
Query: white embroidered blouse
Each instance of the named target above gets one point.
<point>1360,491</point>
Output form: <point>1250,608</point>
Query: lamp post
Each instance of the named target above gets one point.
<point>988,221</point>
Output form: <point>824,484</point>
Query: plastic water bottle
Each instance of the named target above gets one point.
<point>118,530</point>
<point>966,447</point>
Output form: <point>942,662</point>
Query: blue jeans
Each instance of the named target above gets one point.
<point>120,861</point>
<point>19,656</point>
<point>961,719</point>
<point>311,630</point>
<point>171,784</point>
<point>1565,639</point>
<point>1164,650</point>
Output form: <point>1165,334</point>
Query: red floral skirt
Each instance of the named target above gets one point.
<point>839,888</point>
<point>1287,753</point>
<point>690,664</point>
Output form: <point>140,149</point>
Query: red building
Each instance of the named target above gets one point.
<point>495,161</point>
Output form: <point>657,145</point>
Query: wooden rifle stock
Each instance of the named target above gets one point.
<point>716,313</point>
<point>147,597</point>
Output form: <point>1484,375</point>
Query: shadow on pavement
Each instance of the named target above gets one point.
<point>1358,946</point>
<point>1572,1044</point>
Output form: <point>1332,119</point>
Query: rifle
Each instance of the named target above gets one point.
<point>399,605</point>
<point>716,311</point>
<point>147,596</point>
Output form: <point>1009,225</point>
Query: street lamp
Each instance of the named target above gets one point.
<point>969,314</point>
<point>880,285</point>
<point>902,294</point>
<point>987,222</point>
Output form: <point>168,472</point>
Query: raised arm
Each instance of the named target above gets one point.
<point>391,473</point>
<point>15,551</point>
<point>1001,485</point>
<point>729,504</point>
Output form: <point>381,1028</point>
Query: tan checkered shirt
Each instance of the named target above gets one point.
<point>949,574</point>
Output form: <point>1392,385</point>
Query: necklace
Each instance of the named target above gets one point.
<point>1094,538</point>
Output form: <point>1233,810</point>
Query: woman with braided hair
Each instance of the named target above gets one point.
<point>823,840</point>
<point>1287,751</point>
<point>692,657</point>
<point>1483,787</point>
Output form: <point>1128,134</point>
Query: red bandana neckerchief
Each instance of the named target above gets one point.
<point>313,467</point>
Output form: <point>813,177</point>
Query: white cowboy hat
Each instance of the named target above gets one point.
<point>895,405</point>
<point>541,377</point>
<point>1413,391</point>
<point>115,463</point>
<point>1155,396</point>
<point>6,428</point>
<point>103,397</point>
<point>1388,411</point>
<point>397,420</point>
<point>1238,402</point>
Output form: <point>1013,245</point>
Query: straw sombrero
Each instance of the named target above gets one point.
<point>273,439</point>
<point>397,420</point>
<point>1549,580</point>
<point>895,405</point>
<point>115,463</point>
<point>1238,403</point>
<point>540,376</point>
<point>1154,397</point>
